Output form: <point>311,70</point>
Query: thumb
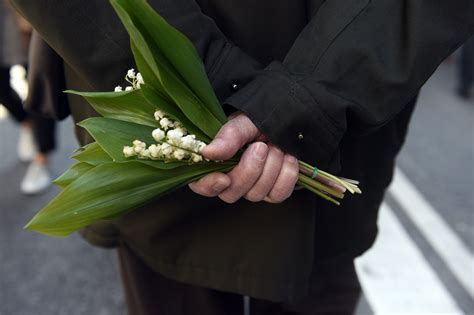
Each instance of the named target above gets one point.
<point>237,132</point>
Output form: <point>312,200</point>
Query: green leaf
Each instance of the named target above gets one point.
<point>92,154</point>
<point>112,135</point>
<point>73,173</point>
<point>163,165</point>
<point>127,106</point>
<point>172,81</point>
<point>145,65</point>
<point>158,99</point>
<point>179,51</point>
<point>109,190</point>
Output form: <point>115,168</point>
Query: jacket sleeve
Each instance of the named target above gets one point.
<point>353,68</point>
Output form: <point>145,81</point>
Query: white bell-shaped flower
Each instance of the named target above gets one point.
<point>165,123</point>
<point>159,115</point>
<point>158,134</point>
<point>128,151</point>
<point>131,74</point>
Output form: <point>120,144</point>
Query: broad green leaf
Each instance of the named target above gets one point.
<point>92,154</point>
<point>109,190</point>
<point>112,135</point>
<point>148,69</point>
<point>127,106</point>
<point>163,165</point>
<point>157,98</point>
<point>73,173</point>
<point>170,79</point>
<point>178,50</point>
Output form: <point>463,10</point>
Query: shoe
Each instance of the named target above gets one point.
<point>26,146</point>
<point>36,180</point>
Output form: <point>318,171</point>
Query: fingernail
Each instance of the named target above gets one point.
<point>291,159</point>
<point>260,152</point>
<point>219,186</point>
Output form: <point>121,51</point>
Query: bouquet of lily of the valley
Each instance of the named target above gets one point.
<point>150,137</point>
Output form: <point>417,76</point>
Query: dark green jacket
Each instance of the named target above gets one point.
<point>341,73</point>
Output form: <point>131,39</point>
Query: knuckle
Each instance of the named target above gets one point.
<point>246,127</point>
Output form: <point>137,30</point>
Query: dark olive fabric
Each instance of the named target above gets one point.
<point>336,290</point>
<point>332,82</point>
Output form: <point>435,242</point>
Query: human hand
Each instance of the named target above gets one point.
<point>264,172</point>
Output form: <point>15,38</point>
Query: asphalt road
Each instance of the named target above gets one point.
<point>41,275</point>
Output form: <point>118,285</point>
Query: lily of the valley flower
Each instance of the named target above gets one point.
<point>158,134</point>
<point>173,143</point>
<point>135,79</point>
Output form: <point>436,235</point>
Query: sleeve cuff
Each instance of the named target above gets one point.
<point>289,116</point>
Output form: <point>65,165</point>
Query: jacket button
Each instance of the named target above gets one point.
<point>234,86</point>
<point>300,136</point>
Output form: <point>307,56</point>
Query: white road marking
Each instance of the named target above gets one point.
<point>395,276</point>
<point>442,238</point>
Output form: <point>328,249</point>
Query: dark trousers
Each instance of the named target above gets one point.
<point>466,66</point>
<point>44,131</point>
<point>43,128</point>
<point>336,292</point>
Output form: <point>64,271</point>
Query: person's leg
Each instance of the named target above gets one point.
<point>44,130</point>
<point>9,98</point>
<point>149,293</point>
<point>12,102</point>
<point>37,177</point>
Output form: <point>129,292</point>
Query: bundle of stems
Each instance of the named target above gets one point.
<point>326,185</point>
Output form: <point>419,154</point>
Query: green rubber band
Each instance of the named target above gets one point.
<point>315,173</point>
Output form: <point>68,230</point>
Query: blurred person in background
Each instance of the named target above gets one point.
<point>466,69</point>
<point>13,51</point>
<point>36,139</point>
